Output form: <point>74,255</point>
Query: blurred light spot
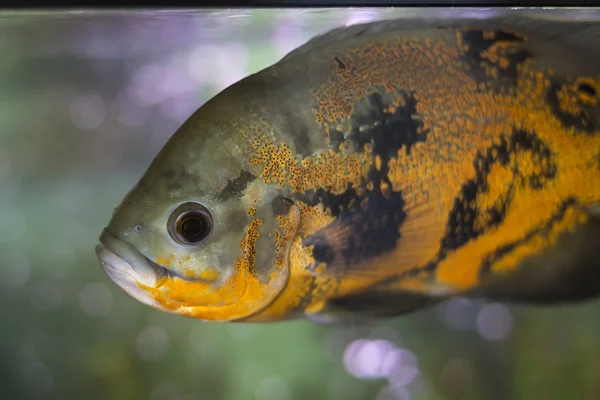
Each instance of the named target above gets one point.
<point>397,358</point>
<point>96,299</point>
<point>14,271</point>
<point>46,296</point>
<point>364,358</point>
<point>228,64</point>
<point>88,112</point>
<point>243,332</point>
<point>199,63</point>
<point>36,378</point>
<point>144,87</point>
<point>179,108</point>
<point>14,225</point>
<point>153,84</point>
<point>459,313</point>
<point>403,375</point>
<point>166,391</point>
<point>457,376</point>
<point>273,388</point>
<point>177,76</point>
<point>152,343</point>
<point>494,322</point>
<point>394,393</point>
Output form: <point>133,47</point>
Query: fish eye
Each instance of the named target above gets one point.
<point>190,224</point>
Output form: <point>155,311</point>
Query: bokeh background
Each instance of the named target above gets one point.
<point>86,101</point>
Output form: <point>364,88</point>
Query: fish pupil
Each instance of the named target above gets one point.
<point>194,228</point>
<point>191,223</point>
<point>585,88</point>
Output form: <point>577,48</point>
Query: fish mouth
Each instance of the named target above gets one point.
<point>128,268</point>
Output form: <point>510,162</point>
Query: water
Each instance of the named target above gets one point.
<point>88,98</point>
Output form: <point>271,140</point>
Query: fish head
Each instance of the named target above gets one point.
<point>200,234</point>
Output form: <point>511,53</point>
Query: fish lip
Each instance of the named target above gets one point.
<point>124,264</point>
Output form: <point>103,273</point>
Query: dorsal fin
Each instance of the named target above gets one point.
<point>582,35</point>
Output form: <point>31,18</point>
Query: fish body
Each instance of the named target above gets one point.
<point>376,170</point>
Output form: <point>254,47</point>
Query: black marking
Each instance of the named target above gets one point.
<point>374,218</point>
<point>463,225</point>
<point>381,304</point>
<point>477,44</point>
<point>176,179</point>
<point>587,89</point>
<point>587,121</point>
<point>299,133</point>
<point>567,271</point>
<point>281,205</point>
<point>235,188</point>
<point>339,62</point>
<point>503,250</point>
<point>323,253</point>
<point>387,132</point>
<point>335,138</point>
<point>467,221</point>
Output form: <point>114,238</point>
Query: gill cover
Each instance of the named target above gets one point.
<point>200,214</point>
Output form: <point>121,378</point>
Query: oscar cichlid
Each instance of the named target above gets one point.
<point>376,170</point>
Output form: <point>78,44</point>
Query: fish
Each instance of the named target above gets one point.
<point>375,171</point>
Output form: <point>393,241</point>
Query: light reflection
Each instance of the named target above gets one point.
<point>287,38</point>
<point>373,359</point>
<point>363,358</point>
<point>494,321</point>
<point>380,358</point>
<point>152,343</point>
<point>361,17</point>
